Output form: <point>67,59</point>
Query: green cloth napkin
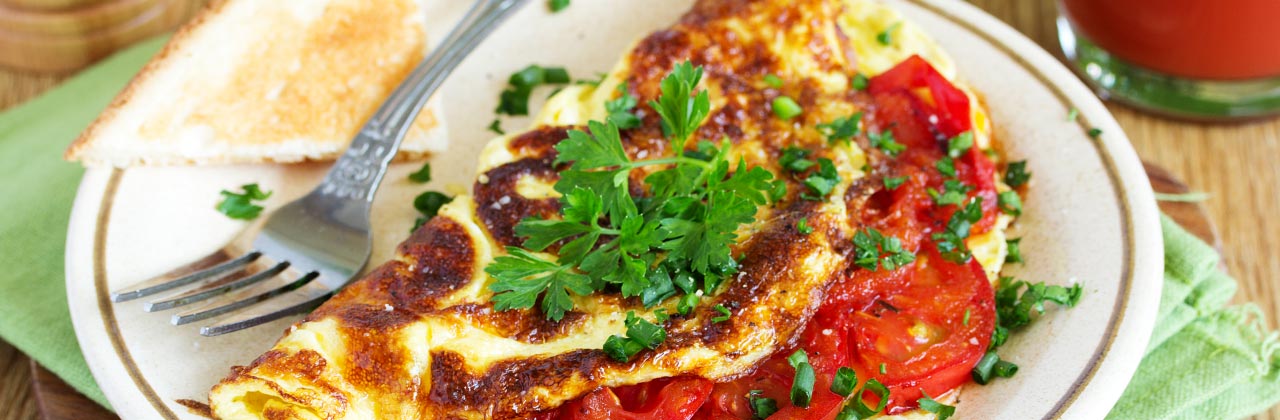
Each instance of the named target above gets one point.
<point>1206,361</point>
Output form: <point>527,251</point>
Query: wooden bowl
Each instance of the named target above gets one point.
<point>67,40</point>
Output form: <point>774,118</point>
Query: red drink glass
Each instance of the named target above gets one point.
<point>1206,59</point>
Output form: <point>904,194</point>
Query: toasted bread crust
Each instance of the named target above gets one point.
<point>293,95</point>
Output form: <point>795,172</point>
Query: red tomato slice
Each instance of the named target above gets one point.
<point>940,98</point>
<point>927,324</point>
<point>661,399</point>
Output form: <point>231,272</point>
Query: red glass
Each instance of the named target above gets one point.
<point>1202,39</point>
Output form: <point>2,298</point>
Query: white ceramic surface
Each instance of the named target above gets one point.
<point>1090,216</point>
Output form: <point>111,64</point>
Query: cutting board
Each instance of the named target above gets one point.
<point>58,401</point>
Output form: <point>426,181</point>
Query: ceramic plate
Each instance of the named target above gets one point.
<point>1090,216</point>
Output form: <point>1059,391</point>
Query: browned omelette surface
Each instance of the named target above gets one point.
<point>418,337</point>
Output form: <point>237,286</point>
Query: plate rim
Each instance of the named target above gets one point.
<point>1132,320</point>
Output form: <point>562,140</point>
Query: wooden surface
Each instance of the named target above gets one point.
<point>1238,165</point>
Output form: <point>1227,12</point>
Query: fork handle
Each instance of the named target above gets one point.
<point>358,171</point>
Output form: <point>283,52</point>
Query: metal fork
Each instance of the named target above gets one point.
<point>313,246</point>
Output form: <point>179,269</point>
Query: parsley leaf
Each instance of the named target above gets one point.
<point>1016,174</point>
<point>960,144</point>
<point>240,205</point>
<point>619,109</point>
<point>514,100</point>
<point>943,411</point>
<point>1014,305</point>
<point>884,141</point>
<point>946,166</point>
<point>680,115</point>
<point>873,249</point>
<point>892,183</point>
<point>793,159</point>
<point>951,241</point>
<point>496,127</point>
<point>422,175</point>
<point>673,238</point>
<point>429,203</point>
<point>803,227</point>
<point>621,349</point>
<point>842,129</point>
<point>822,181</point>
<point>522,277</point>
<point>859,81</point>
<point>953,192</point>
<point>1010,203</point>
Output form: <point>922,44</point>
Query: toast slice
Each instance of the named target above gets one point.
<point>252,81</point>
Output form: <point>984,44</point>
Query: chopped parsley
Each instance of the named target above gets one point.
<point>422,175</point>
<point>619,109</point>
<point>951,240</point>
<point>943,411</point>
<point>761,407</point>
<point>803,227</point>
<point>953,192</point>
<point>842,129</point>
<point>496,127</point>
<point>1095,132</point>
<point>641,334</point>
<point>859,81</point>
<point>892,183</point>
<point>794,159</point>
<point>960,144</point>
<point>1015,302</point>
<point>946,166</point>
<point>773,81</point>
<point>1073,114</point>
<point>1016,175</point>
<point>1014,254</point>
<point>674,239</point>
<point>240,205</point>
<point>428,204</point>
<point>786,108</point>
<point>724,314</point>
<point>822,181</point>
<point>515,98</point>
<point>802,384</point>
<point>557,5</point>
<point>873,249</point>
<point>1010,203</point>
<point>886,37</point>
<point>884,141</point>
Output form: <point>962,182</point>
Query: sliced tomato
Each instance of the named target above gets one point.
<point>927,324</point>
<point>661,399</point>
<point>941,101</point>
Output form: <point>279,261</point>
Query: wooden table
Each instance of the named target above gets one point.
<point>1238,165</point>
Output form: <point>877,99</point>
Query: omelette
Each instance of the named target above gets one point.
<point>420,336</point>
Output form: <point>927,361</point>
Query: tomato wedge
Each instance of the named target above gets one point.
<point>662,399</point>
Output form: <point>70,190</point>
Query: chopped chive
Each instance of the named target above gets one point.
<point>844,382</point>
<point>966,318</point>
<point>724,314</point>
<point>786,108</point>
<point>802,384</point>
<point>773,81</point>
<point>892,183</point>
<point>1014,254</point>
<point>803,227</point>
<point>1073,114</point>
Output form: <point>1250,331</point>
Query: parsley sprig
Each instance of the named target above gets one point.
<point>677,236</point>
